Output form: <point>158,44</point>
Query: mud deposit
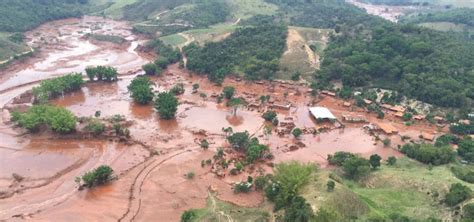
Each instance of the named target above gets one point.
<point>38,170</point>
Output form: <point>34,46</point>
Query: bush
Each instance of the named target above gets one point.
<point>468,212</point>
<point>178,89</point>
<point>204,144</point>
<point>166,105</point>
<point>261,182</point>
<point>466,149</point>
<point>256,151</point>
<point>356,167</point>
<point>140,90</point>
<point>297,132</point>
<point>446,139</point>
<point>190,175</point>
<point>339,158</point>
<point>59,119</point>
<point>429,154</point>
<point>188,216</point>
<point>269,115</point>
<point>331,185</point>
<point>386,142</point>
<point>96,127</point>
<point>52,88</point>
<point>242,187</point>
<point>391,160</point>
<point>298,210</point>
<point>457,194</point>
<point>151,69</point>
<point>407,116</point>
<point>102,73</point>
<point>463,173</point>
<point>228,92</point>
<point>375,161</point>
<point>98,176</point>
<point>239,141</point>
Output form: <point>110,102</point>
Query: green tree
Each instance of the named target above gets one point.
<point>166,104</point>
<point>468,211</point>
<point>375,161</point>
<point>269,115</point>
<point>457,194</point>
<point>98,176</point>
<point>391,160</point>
<point>151,69</point>
<point>188,216</point>
<point>141,90</point>
<point>356,167</point>
<point>297,132</point>
<point>228,92</point>
<point>235,103</point>
<point>239,140</point>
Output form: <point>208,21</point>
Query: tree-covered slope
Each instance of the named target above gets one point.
<point>21,15</point>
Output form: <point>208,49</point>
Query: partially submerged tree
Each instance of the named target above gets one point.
<point>166,104</point>
<point>141,90</point>
<point>98,176</point>
<point>236,103</point>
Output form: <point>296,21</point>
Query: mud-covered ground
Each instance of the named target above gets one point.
<point>38,170</point>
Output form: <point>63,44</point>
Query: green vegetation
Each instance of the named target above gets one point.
<point>12,47</point>
<point>269,115</point>
<point>96,177</point>
<point>466,149</point>
<point>458,16</point>
<point>102,73</point>
<point>166,104</point>
<point>152,69</point>
<point>59,119</point>
<point>251,51</point>
<point>457,194</point>
<point>429,154</point>
<point>95,126</point>
<point>217,210</point>
<point>168,54</point>
<point>141,90</point>
<point>53,88</point>
<point>296,132</point>
<point>22,15</point>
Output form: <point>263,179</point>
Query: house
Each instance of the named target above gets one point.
<point>418,117</point>
<point>354,119</point>
<point>285,106</point>
<point>396,109</point>
<point>346,104</point>
<point>464,121</point>
<point>328,93</point>
<point>399,114</point>
<point>321,114</point>
<point>438,119</point>
<point>368,102</point>
<point>387,128</point>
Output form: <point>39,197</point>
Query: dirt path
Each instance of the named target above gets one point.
<point>189,39</point>
<point>295,40</point>
<point>136,188</point>
<point>220,213</point>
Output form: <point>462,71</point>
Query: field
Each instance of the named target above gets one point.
<point>299,56</point>
<point>408,188</point>
<point>113,7</point>
<point>245,9</point>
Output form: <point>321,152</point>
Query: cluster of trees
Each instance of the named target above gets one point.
<point>457,15</point>
<point>102,73</point>
<point>52,88</point>
<point>463,173</point>
<point>462,128</point>
<point>95,177</point>
<point>428,153</point>
<point>166,104</point>
<point>355,167</point>
<point>141,90</point>
<point>457,194</point>
<point>253,51</point>
<point>168,54</point>
<point>242,142</point>
<point>466,149</point>
<point>59,119</point>
<point>22,15</point>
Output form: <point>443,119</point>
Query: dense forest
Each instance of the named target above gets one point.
<point>253,51</point>
<point>431,66</point>
<point>458,16</point>
<point>21,15</point>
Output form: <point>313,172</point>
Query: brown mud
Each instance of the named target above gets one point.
<point>37,181</point>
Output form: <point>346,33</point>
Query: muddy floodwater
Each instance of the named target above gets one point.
<point>38,170</point>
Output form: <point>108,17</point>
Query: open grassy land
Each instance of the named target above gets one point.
<point>448,26</point>
<point>8,48</point>
<point>245,9</point>
<point>217,210</point>
<point>409,188</point>
<point>113,8</point>
<point>304,47</point>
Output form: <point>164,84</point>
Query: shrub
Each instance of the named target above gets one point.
<point>190,175</point>
<point>242,187</point>
<point>96,127</point>
<point>407,116</point>
<point>466,149</point>
<point>463,173</point>
<point>391,160</point>
<point>195,87</point>
<point>166,105</point>
<point>297,132</point>
<point>140,90</point>
<point>375,161</point>
<point>239,166</point>
<point>261,182</point>
<point>151,69</point>
<point>178,89</point>
<point>59,119</point>
<point>339,158</point>
<point>98,176</point>
<point>239,140</point>
<point>162,62</point>
<point>204,144</point>
<point>228,92</point>
<point>269,115</point>
<point>386,142</point>
<point>446,139</point>
<point>468,212</point>
<point>331,185</point>
<point>457,194</point>
<point>255,151</point>
<point>188,216</point>
<point>298,210</point>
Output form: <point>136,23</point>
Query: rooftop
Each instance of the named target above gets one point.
<point>321,113</point>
